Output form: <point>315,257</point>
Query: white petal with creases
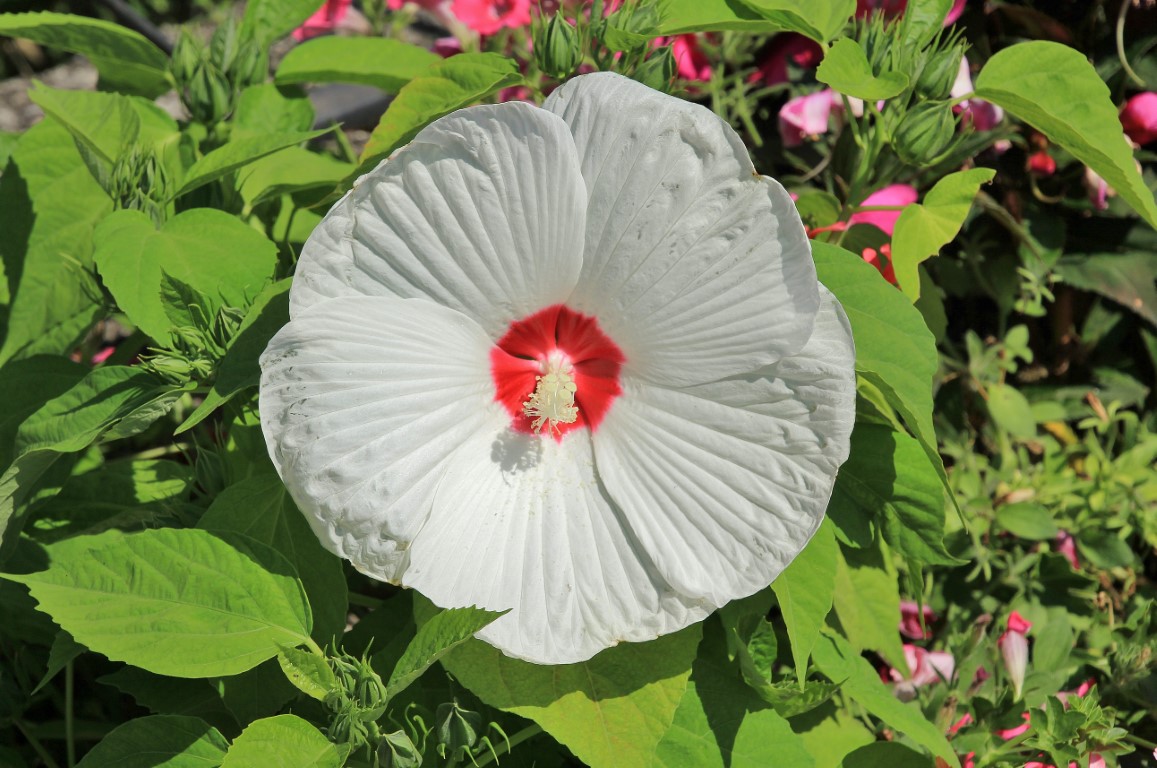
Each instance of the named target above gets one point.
<point>521,522</point>
<point>695,265</point>
<point>483,212</point>
<point>724,483</point>
<point>362,401</point>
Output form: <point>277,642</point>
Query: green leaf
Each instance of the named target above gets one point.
<point>110,402</point>
<point>830,733</point>
<point>126,60</point>
<point>888,476</point>
<point>377,61</point>
<point>436,637</point>
<point>8,141</point>
<point>686,16</point>
<point>722,723</point>
<point>895,351</point>
<point>210,250</point>
<point>49,204</point>
<point>239,369</point>
<point>25,385</point>
<point>609,711</point>
<point>292,170</point>
<point>269,20</point>
<point>178,602</point>
<point>839,661</point>
<point>64,650</point>
<point>805,590</point>
<point>846,69</point>
<point>308,672</point>
<point>886,754</point>
<point>819,21</point>
<point>1126,278</point>
<point>173,696</point>
<point>1011,411</point>
<point>265,108</point>
<point>867,602</point>
<point>923,229</point>
<point>1053,88</point>
<point>239,153</point>
<point>168,740</point>
<point>286,741</point>
<point>260,508</point>
<point>1105,549</point>
<point>1027,520</point>
<point>451,84</point>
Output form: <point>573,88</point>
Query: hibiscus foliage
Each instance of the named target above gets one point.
<point>578,367</point>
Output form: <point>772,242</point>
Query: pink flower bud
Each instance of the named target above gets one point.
<point>982,115</point>
<point>927,667</point>
<point>1139,118</point>
<point>1041,163</point>
<point>1067,546</point>
<point>1013,645</point>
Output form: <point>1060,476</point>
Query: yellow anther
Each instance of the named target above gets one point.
<point>552,401</point>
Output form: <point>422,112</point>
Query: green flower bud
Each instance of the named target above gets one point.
<point>658,71</point>
<point>458,728</point>
<point>924,133</point>
<point>186,60</point>
<point>939,73</point>
<point>395,750</point>
<point>556,47</point>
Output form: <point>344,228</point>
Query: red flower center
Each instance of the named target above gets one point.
<point>538,343</point>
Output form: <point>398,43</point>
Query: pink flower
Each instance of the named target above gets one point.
<point>805,117</point>
<point>447,46</point>
<point>1096,761</point>
<point>1139,118</point>
<point>1067,546</point>
<point>981,114</point>
<point>926,666</point>
<point>323,21</point>
<point>889,272</point>
<point>965,720</point>
<point>910,613</point>
<point>690,61</point>
<point>1098,189</point>
<point>792,47</point>
<point>894,195</point>
<point>969,760</point>
<point>1012,733</point>
<point>1080,693</point>
<point>1041,163</point>
<point>896,7</point>
<point>488,16</point>
<point>1013,645</point>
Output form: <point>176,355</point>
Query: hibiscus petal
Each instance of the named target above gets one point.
<point>362,400</point>
<point>695,265</point>
<point>522,523</point>
<point>724,483</point>
<point>483,212</point>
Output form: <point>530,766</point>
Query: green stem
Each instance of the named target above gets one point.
<point>45,757</point>
<point>1121,44</point>
<point>529,732</point>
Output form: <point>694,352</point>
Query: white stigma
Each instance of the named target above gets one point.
<point>552,401</point>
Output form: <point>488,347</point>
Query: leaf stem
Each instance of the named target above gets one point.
<point>1120,37</point>
<point>36,745</point>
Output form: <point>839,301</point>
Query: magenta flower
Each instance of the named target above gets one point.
<point>982,115</point>
<point>927,667</point>
<point>1139,118</point>
<point>910,615</point>
<point>805,117</point>
<point>894,195</point>
<point>1013,645</point>
<point>802,51</point>
<point>1041,163</point>
<point>488,16</point>
<point>323,21</point>
<point>1067,546</point>
<point>690,61</point>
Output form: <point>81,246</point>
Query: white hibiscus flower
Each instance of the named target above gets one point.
<point>570,361</point>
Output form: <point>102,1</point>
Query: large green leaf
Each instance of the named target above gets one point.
<point>885,754</point>
<point>239,153</point>
<point>867,602</point>
<point>610,711</point>
<point>260,508</point>
<point>168,740</point>
<point>239,369</point>
<point>923,229</point>
<point>269,20</point>
<point>265,108</point>
<point>285,741</point>
<point>110,402</point>
<point>126,60</point>
<point>209,250</point>
<point>721,723</point>
<point>840,662</point>
<point>448,85</point>
<point>377,61</point>
<point>819,21</point>
<point>178,602</point>
<point>163,695</point>
<point>1053,88</point>
<point>49,204</point>
<point>895,351</point>
<point>805,590</point>
<point>1126,278</point>
<point>27,384</point>
<point>846,69</point>
<point>888,477</point>
<point>292,170</point>
<point>437,636</point>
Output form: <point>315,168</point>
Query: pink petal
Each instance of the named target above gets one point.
<point>896,194</point>
<point>805,116</point>
<point>1139,118</point>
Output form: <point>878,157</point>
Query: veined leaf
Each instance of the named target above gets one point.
<point>239,153</point>
<point>436,637</point>
<point>377,61</point>
<point>845,68</point>
<point>169,740</point>
<point>286,741</point>
<point>805,591</point>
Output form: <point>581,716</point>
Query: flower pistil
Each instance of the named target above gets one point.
<point>552,401</point>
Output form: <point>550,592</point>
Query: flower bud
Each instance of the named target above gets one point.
<point>939,74</point>
<point>658,71</point>
<point>556,47</point>
<point>1013,645</point>
<point>186,59</point>
<point>395,750</point>
<point>458,728</point>
<point>924,133</point>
